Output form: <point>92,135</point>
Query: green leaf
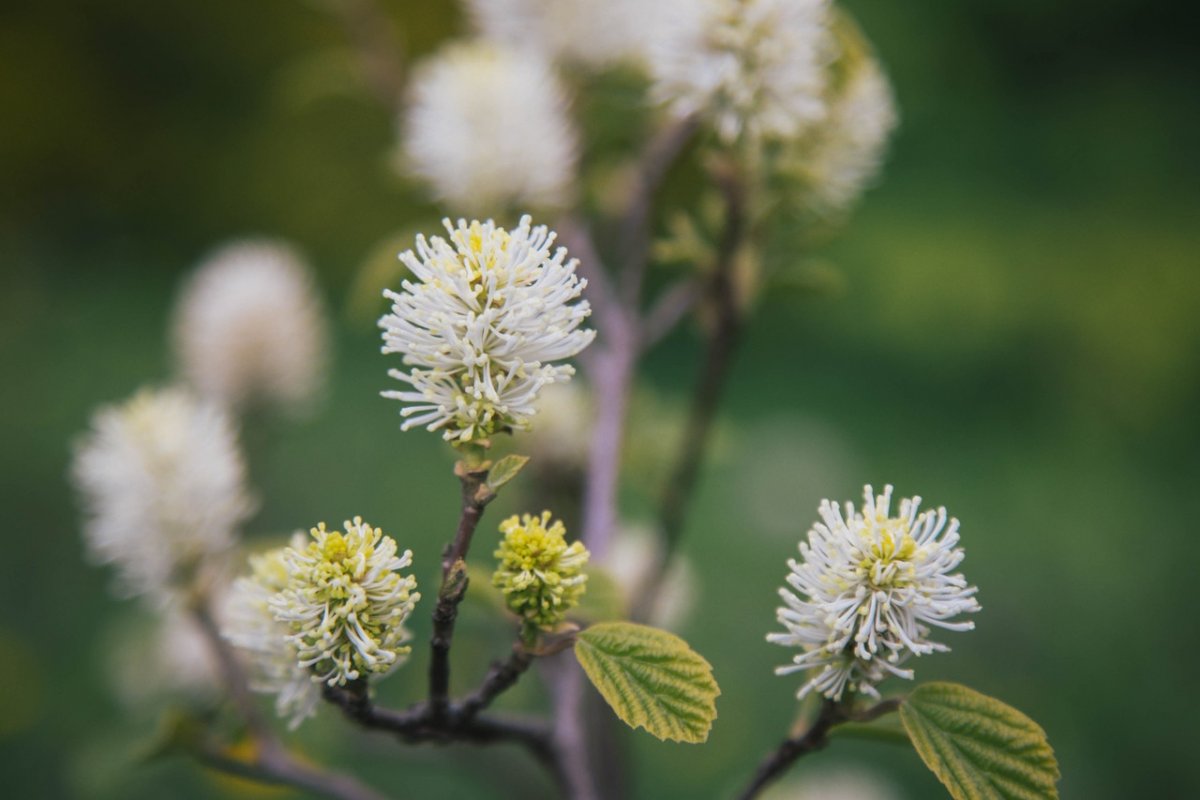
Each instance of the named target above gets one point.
<point>505,470</point>
<point>978,747</point>
<point>651,679</point>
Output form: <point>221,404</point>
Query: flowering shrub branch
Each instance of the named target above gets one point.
<point>776,115</point>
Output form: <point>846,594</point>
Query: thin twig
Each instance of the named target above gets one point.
<point>670,307</point>
<point>571,730</point>
<point>534,736</point>
<point>271,762</point>
<point>611,366</point>
<point>459,723</point>
<point>611,371</point>
<point>280,768</point>
<point>656,160</point>
<point>576,236</point>
<point>722,344</point>
<point>475,497</point>
<point>500,678</point>
<point>832,713</point>
<point>232,676</point>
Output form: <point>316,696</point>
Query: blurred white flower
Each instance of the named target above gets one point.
<point>633,560</point>
<point>489,311</point>
<point>870,586</point>
<point>249,326</point>
<point>250,625</point>
<point>838,162</point>
<point>597,33</point>
<point>487,128</point>
<point>161,481</point>
<point>345,604</point>
<point>756,68</point>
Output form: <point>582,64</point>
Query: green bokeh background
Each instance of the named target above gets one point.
<point>1017,339</point>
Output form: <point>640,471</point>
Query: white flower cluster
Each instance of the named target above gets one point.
<point>840,156</point>
<point>249,624</point>
<point>487,127</point>
<point>487,313</point>
<point>756,68</point>
<point>249,327</point>
<point>163,485</point>
<point>596,33</point>
<point>870,586</point>
<point>345,604</point>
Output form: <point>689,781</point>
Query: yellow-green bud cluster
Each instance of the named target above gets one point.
<point>540,574</point>
<point>345,603</point>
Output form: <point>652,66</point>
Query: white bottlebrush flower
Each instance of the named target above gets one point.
<point>756,68</point>
<point>487,128</point>
<point>486,314</point>
<point>597,33</point>
<point>345,603</point>
<point>870,585</point>
<point>162,482</point>
<point>272,656</point>
<point>838,161</point>
<point>249,326</point>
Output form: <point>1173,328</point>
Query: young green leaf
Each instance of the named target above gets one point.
<point>505,470</point>
<point>978,747</point>
<point>651,679</point>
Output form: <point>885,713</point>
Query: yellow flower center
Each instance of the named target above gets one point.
<point>335,547</point>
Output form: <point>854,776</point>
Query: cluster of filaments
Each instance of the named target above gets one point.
<point>487,313</point>
<point>870,587</point>
<point>540,575</point>
<point>328,608</point>
<point>345,603</point>
<point>489,128</point>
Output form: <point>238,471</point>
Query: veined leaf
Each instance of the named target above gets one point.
<point>651,679</point>
<point>978,747</point>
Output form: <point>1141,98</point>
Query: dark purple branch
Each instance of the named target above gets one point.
<point>475,497</point>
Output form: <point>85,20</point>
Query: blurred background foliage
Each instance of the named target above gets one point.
<point>1015,336</point>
